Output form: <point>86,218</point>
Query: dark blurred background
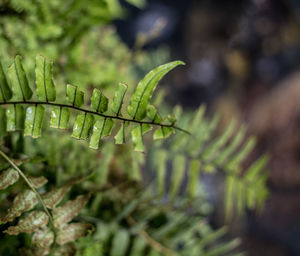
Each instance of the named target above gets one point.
<point>243,60</point>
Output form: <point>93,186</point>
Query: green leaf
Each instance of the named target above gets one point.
<point>103,167</point>
<point>101,128</point>
<point>163,132</point>
<point>60,117</point>
<point>160,160</point>
<point>18,80</point>
<point>141,97</point>
<point>45,88</point>
<point>74,95</point>
<point>8,178</point>
<point>14,118</point>
<point>138,247</point>
<point>2,123</point>
<point>99,102</point>
<point>118,99</point>
<point>5,91</point>
<point>120,136</point>
<point>34,120</point>
<point>137,136</point>
<point>153,115</point>
<point>29,224</point>
<point>193,177</point>
<point>120,243</point>
<point>82,126</point>
<point>230,196</point>
<point>177,175</point>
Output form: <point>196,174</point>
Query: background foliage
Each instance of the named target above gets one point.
<point>136,206</point>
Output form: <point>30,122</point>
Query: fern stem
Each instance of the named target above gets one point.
<point>32,188</point>
<point>94,113</point>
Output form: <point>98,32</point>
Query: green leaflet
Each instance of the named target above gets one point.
<point>74,95</point>
<point>139,246</point>
<point>226,153</point>
<point>5,91</point>
<point>103,167</point>
<point>99,102</point>
<point>118,99</point>
<point>101,128</point>
<point>2,123</point>
<point>45,88</point>
<point>177,175</point>
<point>34,120</point>
<point>230,195</point>
<point>82,126</point>
<point>216,145</point>
<point>18,80</point>
<point>163,133</point>
<point>120,243</point>
<point>29,224</point>
<point>14,118</point>
<point>60,117</point>
<point>8,178</point>
<point>120,136</point>
<point>137,136</point>
<point>193,177</point>
<point>160,160</point>
<point>143,92</point>
<point>153,115</point>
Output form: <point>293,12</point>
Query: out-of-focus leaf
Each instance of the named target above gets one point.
<point>43,237</point>
<point>38,182</point>
<point>63,214</point>
<point>177,175</point>
<point>23,202</point>
<point>120,243</point>
<point>73,231</point>
<point>8,178</point>
<point>29,224</point>
<point>54,196</point>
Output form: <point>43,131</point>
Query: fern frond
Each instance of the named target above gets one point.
<point>95,123</point>
<point>48,229</point>
<point>205,153</point>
